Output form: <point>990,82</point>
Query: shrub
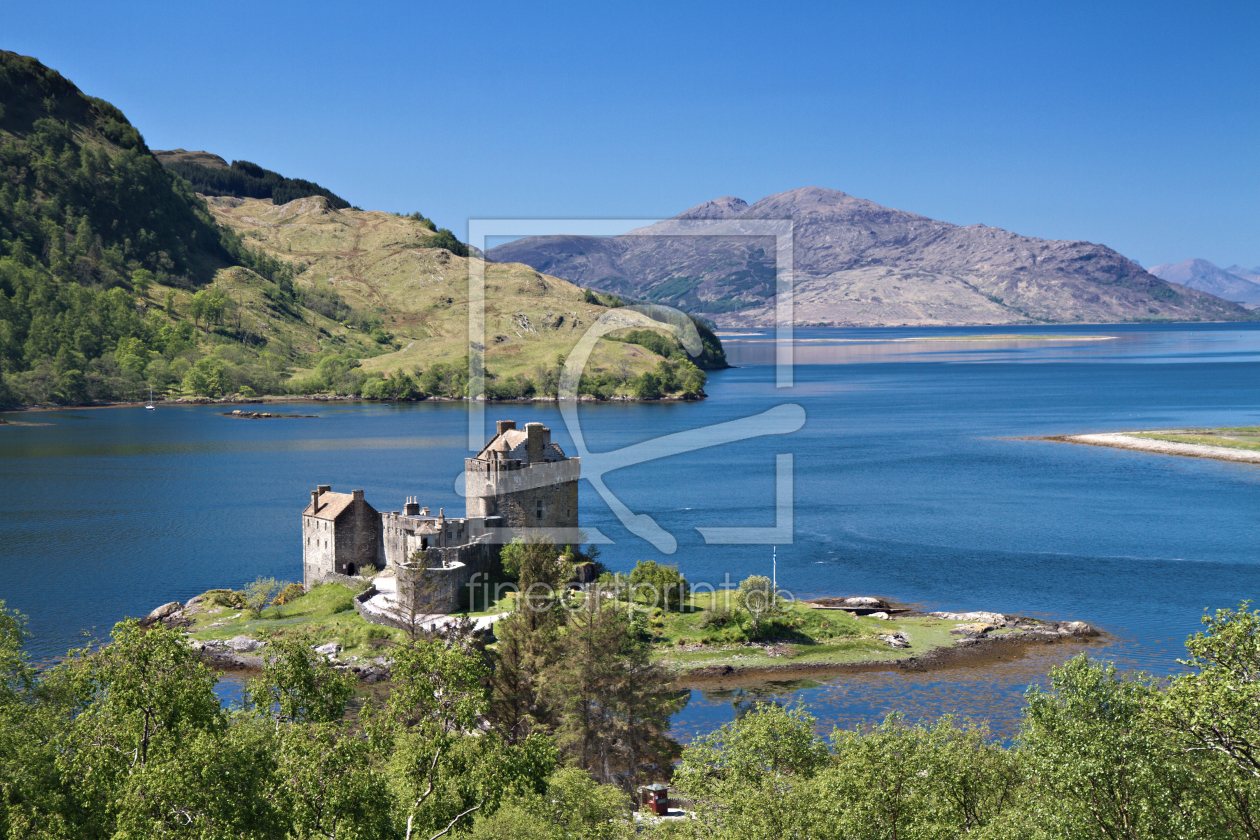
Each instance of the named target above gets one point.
<point>229,598</point>
<point>289,594</point>
<point>719,616</point>
<point>260,593</point>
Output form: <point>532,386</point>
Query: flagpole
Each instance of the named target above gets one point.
<point>775,572</point>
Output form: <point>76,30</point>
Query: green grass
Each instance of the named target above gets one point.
<point>799,635</point>
<point>326,612</point>
<point>1236,437</point>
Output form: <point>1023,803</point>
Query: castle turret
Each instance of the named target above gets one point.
<point>523,477</point>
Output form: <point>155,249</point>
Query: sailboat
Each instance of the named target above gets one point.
<point>150,407</point>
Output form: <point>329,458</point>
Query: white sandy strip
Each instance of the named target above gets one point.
<point>1167,447</point>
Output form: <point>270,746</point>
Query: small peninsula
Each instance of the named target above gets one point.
<point>1233,443</point>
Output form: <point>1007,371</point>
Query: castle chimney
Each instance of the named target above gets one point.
<point>536,443</point>
<point>314,502</point>
<point>356,495</point>
<point>502,426</point>
<point>412,507</point>
<point>324,488</point>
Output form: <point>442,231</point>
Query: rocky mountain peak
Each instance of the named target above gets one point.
<point>725,207</point>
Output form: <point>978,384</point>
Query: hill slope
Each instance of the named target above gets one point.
<point>115,276</point>
<point>389,268</point>
<point>858,263</point>
<point>1206,277</point>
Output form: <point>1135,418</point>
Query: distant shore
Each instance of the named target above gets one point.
<point>1130,440</point>
<point>326,398</point>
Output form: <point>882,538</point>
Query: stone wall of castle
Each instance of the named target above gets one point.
<point>440,584</point>
<point>526,496</point>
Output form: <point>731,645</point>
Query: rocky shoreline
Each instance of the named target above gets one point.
<point>244,653</point>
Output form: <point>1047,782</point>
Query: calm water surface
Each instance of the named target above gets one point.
<point>910,481</point>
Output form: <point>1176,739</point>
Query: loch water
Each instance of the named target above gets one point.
<point>914,477</point>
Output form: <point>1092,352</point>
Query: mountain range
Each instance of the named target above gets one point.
<point>1235,283</point>
<point>857,263</point>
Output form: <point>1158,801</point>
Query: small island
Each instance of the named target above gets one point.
<point>261,415</point>
<point>1233,443</point>
<point>706,637</point>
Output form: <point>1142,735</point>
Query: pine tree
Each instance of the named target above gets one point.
<point>613,704</point>
<point>528,643</point>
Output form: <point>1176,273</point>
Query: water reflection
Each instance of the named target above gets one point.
<point>992,691</point>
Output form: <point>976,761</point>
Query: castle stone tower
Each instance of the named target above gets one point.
<point>524,478</point>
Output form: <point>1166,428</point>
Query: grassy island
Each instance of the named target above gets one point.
<point>702,636</point>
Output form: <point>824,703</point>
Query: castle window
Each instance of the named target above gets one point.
<point>540,508</point>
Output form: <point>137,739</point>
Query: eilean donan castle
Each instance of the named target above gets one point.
<point>519,482</point>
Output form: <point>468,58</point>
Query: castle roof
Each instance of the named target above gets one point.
<point>331,505</point>
<point>514,444</point>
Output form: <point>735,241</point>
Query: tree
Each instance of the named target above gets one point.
<point>612,705</point>
<point>207,378</point>
<point>647,387</point>
<point>1207,721</point>
<point>208,305</point>
<point>943,780</point>
<point>260,593</point>
<point>753,778</point>
<point>1213,708</point>
<point>528,639</point>
<point>117,716</point>
<point>756,595</point>
<point>141,280</point>
<point>446,773</point>
<point>299,684</point>
<point>663,586</point>
<point>573,805</point>
<point>1097,770</point>
<point>329,784</point>
<point>217,785</point>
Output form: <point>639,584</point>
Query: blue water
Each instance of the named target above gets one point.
<point>910,481</point>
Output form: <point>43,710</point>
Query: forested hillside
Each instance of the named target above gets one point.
<point>115,276</point>
<point>211,175</point>
<point>105,257</point>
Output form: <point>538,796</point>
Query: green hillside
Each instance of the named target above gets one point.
<point>115,276</point>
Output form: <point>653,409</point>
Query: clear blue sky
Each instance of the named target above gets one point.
<point>1132,124</point>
